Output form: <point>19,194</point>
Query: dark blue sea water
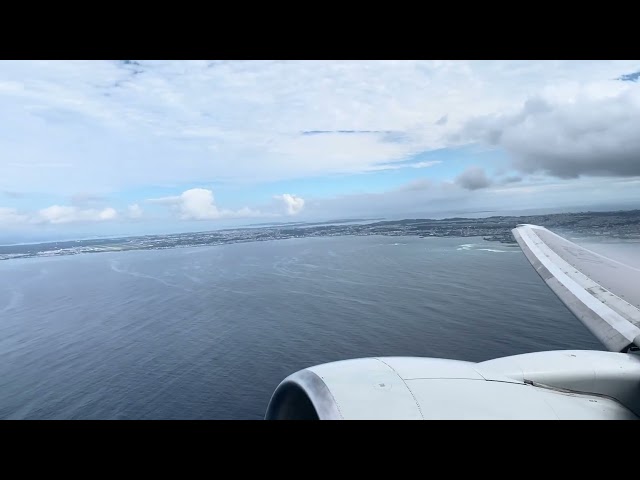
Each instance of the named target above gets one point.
<point>209,332</point>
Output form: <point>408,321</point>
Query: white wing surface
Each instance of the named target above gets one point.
<point>603,293</point>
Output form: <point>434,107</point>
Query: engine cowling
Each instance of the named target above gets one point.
<point>573,384</point>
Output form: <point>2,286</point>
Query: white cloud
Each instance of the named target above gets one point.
<point>293,203</point>
<point>134,211</point>
<point>107,214</point>
<point>56,214</point>
<point>199,204</point>
<point>66,214</point>
<point>108,127</point>
<point>193,204</point>
<point>205,121</point>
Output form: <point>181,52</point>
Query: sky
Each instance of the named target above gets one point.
<point>105,148</point>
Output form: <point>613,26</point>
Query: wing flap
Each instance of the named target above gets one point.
<point>602,293</point>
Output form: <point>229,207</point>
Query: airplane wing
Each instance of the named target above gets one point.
<point>602,293</point>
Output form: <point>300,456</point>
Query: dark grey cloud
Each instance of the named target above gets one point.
<point>629,77</point>
<point>511,179</point>
<point>443,120</point>
<point>586,137</point>
<point>134,67</point>
<point>473,178</point>
<point>390,136</point>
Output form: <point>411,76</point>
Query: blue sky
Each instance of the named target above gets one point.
<point>118,147</point>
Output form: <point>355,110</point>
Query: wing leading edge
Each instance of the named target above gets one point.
<point>602,293</point>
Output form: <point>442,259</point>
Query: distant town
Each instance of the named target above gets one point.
<point>620,224</point>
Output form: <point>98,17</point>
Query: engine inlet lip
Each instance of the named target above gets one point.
<point>309,384</point>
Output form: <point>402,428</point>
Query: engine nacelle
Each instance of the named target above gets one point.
<point>572,384</point>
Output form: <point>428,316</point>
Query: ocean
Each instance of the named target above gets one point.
<point>209,332</point>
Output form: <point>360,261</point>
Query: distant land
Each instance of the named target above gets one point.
<point>618,224</point>
<point>309,224</point>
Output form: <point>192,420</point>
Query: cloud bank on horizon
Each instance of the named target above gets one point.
<point>121,143</point>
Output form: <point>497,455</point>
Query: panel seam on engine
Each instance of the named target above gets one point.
<point>406,386</point>
<point>335,400</point>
